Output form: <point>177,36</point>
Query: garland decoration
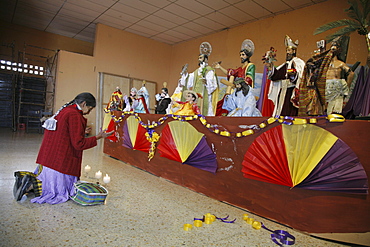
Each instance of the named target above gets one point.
<point>153,138</point>
<point>287,120</point>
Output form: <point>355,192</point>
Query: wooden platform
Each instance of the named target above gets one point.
<point>315,212</point>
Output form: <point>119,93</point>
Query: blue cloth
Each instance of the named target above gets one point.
<point>239,105</point>
<point>56,187</point>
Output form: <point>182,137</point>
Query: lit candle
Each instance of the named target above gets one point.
<point>87,168</point>
<point>98,174</point>
<point>106,179</point>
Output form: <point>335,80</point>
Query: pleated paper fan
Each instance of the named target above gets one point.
<point>106,121</point>
<point>186,138</point>
<point>340,170</point>
<point>266,159</point>
<point>134,135</point>
<point>203,157</point>
<point>126,136</point>
<point>109,125</point>
<point>167,146</point>
<point>304,156</point>
<point>181,142</point>
<point>305,146</point>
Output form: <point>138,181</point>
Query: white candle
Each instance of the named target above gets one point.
<point>87,168</point>
<point>98,174</point>
<point>106,179</point>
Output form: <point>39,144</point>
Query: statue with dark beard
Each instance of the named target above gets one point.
<point>242,102</point>
<point>243,87</point>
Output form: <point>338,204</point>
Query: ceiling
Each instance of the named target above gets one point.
<point>168,21</point>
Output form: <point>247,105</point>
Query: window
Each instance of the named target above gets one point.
<point>19,67</point>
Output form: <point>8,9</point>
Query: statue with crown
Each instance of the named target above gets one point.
<point>285,80</point>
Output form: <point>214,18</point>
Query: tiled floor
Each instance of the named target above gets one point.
<point>141,209</point>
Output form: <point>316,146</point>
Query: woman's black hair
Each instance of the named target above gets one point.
<point>87,97</point>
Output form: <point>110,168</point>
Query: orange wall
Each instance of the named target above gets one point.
<point>116,52</point>
<point>123,53</point>
<point>75,74</point>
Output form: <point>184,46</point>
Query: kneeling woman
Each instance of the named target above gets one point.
<point>60,154</point>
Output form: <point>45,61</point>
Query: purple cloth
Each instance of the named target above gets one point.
<point>262,93</point>
<point>359,102</point>
<point>56,187</point>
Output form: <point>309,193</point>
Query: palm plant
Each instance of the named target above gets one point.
<point>359,22</point>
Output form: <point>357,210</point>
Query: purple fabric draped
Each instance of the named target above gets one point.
<point>126,137</point>
<point>262,93</point>
<point>56,187</point>
<point>340,170</point>
<point>365,109</point>
<point>359,103</point>
<point>202,157</point>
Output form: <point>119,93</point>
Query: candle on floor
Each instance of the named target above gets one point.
<point>106,179</point>
<point>87,168</point>
<point>98,174</point>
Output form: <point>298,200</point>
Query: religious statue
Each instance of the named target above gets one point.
<point>163,101</point>
<point>203,81</point>
<point>189,107</point>
<point>285,81</point>
<point>241,103</point>
<point>326,82</point>
<point>246,71</point>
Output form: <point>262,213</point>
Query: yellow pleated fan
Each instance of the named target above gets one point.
<point>186,138</point>
<point>132,125</point>
<point>305,145</point>
<point>304,156</point>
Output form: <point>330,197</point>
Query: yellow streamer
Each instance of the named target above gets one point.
<point>299,121</point>
<point>203,120</point>
<point>336,118</point>
<point>247,132</point>
<point>225,133</point>
<point>271,120</point>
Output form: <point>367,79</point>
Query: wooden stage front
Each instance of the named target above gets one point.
<point>312,211</point>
